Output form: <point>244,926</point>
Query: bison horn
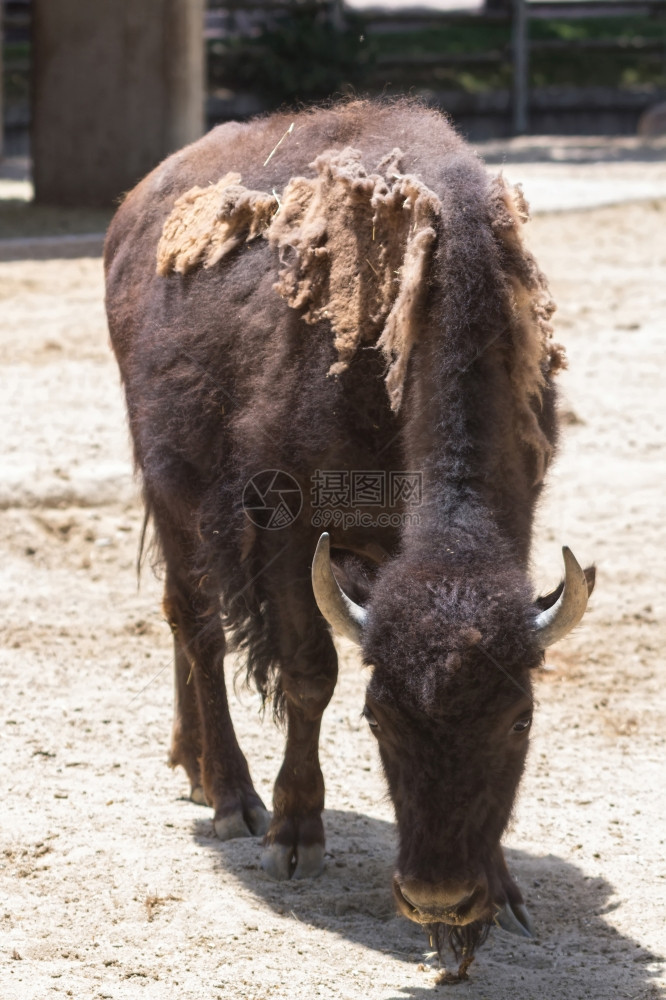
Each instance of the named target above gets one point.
<point>554,623</point>
<point>339,611</point>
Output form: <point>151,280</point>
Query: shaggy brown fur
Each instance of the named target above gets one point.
<point>354,248</point>
<point>535,354</point>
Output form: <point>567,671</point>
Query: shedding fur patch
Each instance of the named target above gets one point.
<point>535,355</point>
<point>207,223</point>
<point>354,249</point>
<point>353,246</point>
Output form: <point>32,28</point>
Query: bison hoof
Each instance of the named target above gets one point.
<point>515,919</point>
<point>231,827</point>
<point>253,823</point>
<point>276,862</point>
<point>282,863</point>
<point>197,795</point>
<point>309,861</point>
<point>260,820</point>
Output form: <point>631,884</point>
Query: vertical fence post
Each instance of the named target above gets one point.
<point>2,107</point>
<point>520,56</point>
<point>117,85</point>
<point>337,15</point>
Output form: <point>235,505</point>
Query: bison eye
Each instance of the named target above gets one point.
<point>520,725</point>
<point>369,718</point>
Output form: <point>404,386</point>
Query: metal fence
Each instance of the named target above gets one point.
<point>486,67</point>
<point>501,69</point>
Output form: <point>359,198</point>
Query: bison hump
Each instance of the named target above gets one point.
<point>352,245</point>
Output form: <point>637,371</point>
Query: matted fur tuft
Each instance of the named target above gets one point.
<point>205,224</point>
<point>534,353</point>
<point>361,243</point>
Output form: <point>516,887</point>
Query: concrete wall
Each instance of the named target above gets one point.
<point>117,85</point>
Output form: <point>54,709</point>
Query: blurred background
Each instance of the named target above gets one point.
<point>94,95</point>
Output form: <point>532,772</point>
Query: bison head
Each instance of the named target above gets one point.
<point>450,704</point>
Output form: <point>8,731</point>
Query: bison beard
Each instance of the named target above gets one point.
<point>462,941</point>
<point>347,305</point>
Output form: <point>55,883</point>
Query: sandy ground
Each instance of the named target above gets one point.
<point>111,882</point>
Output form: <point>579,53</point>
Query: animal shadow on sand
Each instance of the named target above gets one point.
<point>576,952</point>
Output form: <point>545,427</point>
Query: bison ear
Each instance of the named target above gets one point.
<point>354,575</point>
<point>591,577</point>
<point>547,600</point>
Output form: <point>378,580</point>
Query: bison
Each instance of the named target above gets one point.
<point>342,298</point>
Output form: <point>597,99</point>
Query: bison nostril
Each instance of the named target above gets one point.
<point>403,899</point>
<point>405,896</point>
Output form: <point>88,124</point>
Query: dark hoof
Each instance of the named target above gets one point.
<point>309,861</point>
<point>276,862</point>
<point>259,820</point>
<point>282,863</point>
<point>231,827</point>
<point>253,821</point>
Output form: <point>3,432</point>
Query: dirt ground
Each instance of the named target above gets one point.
<point>111,882</point>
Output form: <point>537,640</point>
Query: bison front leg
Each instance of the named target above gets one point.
<point>203,738</point>
<point>295,840</point>
<point>185,732</point>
